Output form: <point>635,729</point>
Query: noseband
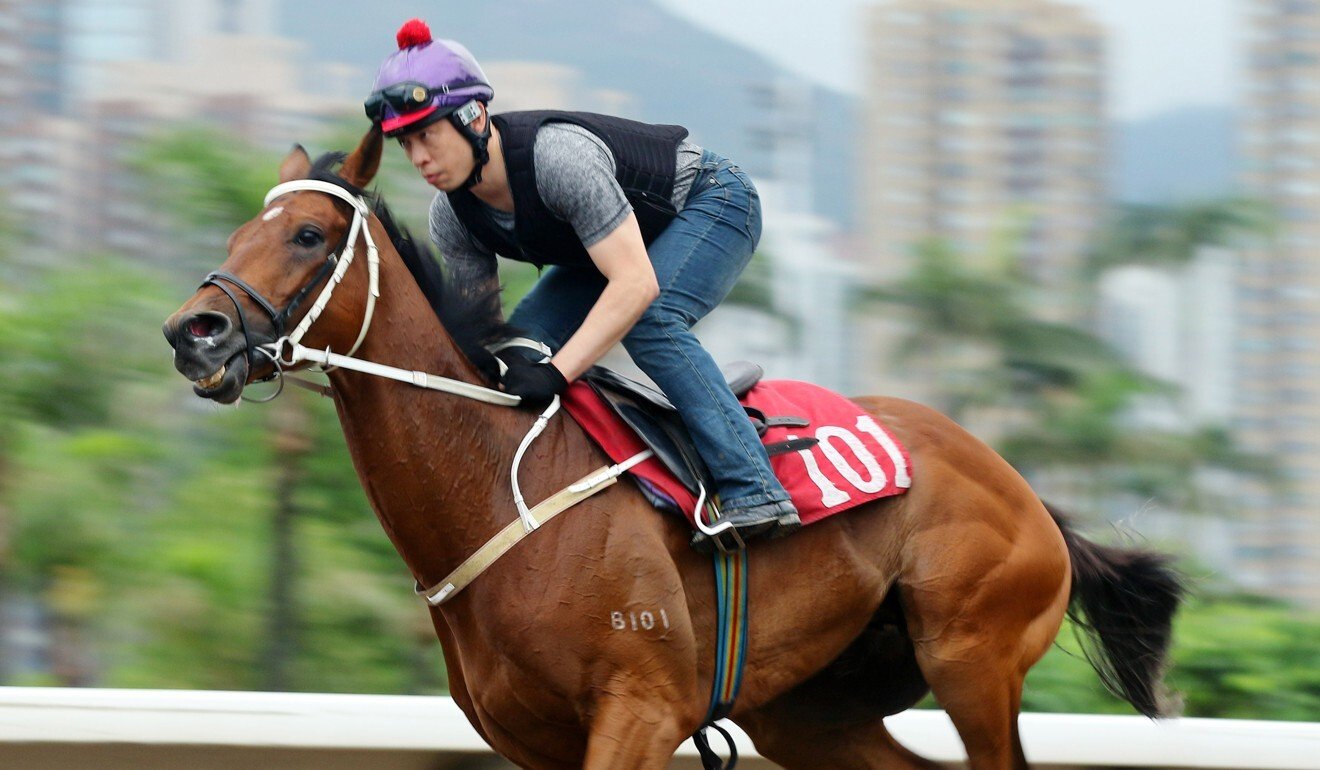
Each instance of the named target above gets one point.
<point>335,266</point>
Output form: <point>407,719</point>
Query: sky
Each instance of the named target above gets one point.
<point>1163,54</point>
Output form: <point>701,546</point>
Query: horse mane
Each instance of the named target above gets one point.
<point>471,315</point>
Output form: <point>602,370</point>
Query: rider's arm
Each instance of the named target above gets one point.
<point>575,177</point>
<point>630,287</point>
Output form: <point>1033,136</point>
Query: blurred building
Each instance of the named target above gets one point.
<point>249,88</point>
<point>38,145</point>
<point>812,283</point>
<point>82,82</point>
<point>795,317</point>
<point>101,32</point>
<point>534,85</point>
<point>1179,325</point>
<point>1279,375</point>
<point>984,119</point>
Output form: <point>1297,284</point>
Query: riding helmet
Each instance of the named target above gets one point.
<point>424,80</point>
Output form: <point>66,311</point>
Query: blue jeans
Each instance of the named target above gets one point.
<point>697,260</point>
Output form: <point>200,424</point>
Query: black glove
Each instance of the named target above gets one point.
<point>538,384</point>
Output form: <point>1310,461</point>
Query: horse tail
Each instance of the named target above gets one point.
<point>1122,602</point>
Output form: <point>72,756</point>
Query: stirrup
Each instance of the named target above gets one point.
<point>722,534</point>
<point>725,541</point>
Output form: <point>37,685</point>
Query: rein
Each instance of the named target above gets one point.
<point>286,351</point>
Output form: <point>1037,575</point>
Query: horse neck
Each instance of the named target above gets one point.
<point>434,465</point>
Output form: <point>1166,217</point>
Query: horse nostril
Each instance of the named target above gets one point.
<point>206,325</point>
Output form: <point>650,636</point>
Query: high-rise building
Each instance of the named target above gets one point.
<point>984,120</point>
<point>34,88</point>
<point>79,85</point>
<point>12,96</point>
<point>1279,287</point>
<point>1178,324</point>
<point>240,87</point>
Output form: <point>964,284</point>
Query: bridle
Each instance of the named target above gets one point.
<point>286,351</point>
<point>334,267</point>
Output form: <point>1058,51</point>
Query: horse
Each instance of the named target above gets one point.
<point>955,588</point>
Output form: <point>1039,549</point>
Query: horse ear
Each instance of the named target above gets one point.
<point>361,167</point>
<point>296,165</point>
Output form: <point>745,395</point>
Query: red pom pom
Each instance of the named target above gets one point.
<point>413,32</point>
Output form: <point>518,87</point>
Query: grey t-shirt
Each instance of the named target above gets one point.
<point>575,177</point>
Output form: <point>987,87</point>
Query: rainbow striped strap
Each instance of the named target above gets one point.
<point>731,642</point>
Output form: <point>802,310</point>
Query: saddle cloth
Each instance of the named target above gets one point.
<point>840,459</point>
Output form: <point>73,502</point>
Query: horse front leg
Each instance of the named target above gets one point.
<point>631,732</point>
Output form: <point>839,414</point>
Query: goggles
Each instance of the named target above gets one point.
<point>408,97</point>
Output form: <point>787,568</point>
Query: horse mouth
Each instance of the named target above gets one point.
<point>213,380</point>
<point>225,384</point>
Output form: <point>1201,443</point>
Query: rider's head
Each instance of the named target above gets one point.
<point>428,80</point>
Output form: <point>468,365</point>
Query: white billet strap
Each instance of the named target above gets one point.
<point>512,534</point>
<point>297,353</point>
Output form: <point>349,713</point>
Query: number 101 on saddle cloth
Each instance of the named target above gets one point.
<point>841,457</point>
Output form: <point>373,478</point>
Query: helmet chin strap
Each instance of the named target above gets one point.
<point>463,119</point>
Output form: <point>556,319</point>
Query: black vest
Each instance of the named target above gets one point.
<point>645,157</point>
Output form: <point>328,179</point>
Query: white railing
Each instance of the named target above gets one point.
<point>175,720</point>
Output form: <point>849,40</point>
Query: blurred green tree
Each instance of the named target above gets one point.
<point>301,634</point>
<point>71,344</point>
<point>973,335</point>
<point>1171,235</point>
<point>1233,657</point>
<point>1062,397</point>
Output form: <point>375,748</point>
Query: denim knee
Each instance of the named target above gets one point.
<point>660,318</point>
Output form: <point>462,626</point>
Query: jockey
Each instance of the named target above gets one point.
<point>644,233</point>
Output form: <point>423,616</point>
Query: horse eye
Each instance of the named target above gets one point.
<point>309,237</point>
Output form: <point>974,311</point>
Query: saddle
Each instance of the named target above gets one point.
<point>657,423</point>
<point>829,453</point>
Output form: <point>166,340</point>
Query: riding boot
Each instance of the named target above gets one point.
<point>758,522</point>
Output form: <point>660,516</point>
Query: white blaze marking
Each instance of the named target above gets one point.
<point>269,215</point>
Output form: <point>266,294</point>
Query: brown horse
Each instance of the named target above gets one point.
<point>957,587</point>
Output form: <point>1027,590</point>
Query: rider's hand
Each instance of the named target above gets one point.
<point>538,384</point>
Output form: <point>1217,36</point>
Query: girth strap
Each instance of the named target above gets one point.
<point>730,653</point>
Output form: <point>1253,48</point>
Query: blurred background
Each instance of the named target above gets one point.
<point>1087,230</point>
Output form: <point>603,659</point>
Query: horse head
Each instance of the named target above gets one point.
<point>277,262</point>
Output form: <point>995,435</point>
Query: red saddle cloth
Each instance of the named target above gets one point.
<point>856,459</point>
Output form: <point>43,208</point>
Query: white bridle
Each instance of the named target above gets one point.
<point>361,213</point>
<point>287,351</point>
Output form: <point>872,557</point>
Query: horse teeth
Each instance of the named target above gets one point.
<point>212,381</point>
